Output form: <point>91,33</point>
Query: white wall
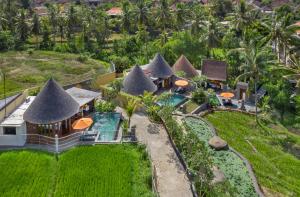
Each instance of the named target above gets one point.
<point>14,140</point>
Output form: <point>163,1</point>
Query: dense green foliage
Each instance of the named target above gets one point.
<point>199,96</point>
<point>116,170</point>
<point>230,164</point>
<point>272,151</point>
<point>105,106</point>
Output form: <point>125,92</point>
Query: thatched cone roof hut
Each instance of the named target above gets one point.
<point>136,82</point>
<point>184,65</point>
<point>52,105</point>
<point>159,68</point>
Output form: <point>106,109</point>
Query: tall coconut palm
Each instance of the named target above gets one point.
<point>126,17</point>
<point>282,35</point>
<point>164,18</point>
<point>255,60</point>
<point>142,12</point>
<point>242,17</point>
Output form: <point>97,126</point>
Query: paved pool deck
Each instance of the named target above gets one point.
<point>171,177</point>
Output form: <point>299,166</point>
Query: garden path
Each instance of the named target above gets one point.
<point>171,177</point>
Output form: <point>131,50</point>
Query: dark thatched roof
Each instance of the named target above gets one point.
<point>159,68</point>
<point>53,104</point>
<point>215,70</point>
<point>184,65</point>
<point>136,82</point>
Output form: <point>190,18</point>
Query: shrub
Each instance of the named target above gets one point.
<point>105,106</point>
<point>83,58</point>
<point>199,96</point>
<point>6,40</point>
<point>121,63</point>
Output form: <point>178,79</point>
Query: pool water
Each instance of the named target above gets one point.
<point>106,125</point>
<point>174,100</point>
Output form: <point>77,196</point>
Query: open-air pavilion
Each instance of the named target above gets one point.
<point>51,112</point>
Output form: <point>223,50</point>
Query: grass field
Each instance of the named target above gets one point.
<point>108,170</point>
<point>271,151</point>
<point>24,69</point>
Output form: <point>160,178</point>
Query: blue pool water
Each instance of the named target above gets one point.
<point>174,100</point>
<point>106,124</point>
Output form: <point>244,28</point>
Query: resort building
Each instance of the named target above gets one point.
<point>216,72</point>
<point>13,127</point>
<point>136,82</point>
<point>184,65</point>
<point>160,72</point>
<point>51,112</point>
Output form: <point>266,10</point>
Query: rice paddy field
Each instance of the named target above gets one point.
<point>108,170</point>
<point>273,151</point>
<point>30,69</point>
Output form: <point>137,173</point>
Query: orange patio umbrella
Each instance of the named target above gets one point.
<point>82,123</point>
<point>181,83</point>
<point>227,95</point>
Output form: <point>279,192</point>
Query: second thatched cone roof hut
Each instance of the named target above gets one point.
<point>136,82</point>
<point>184,65</point>
<point>159,68</point>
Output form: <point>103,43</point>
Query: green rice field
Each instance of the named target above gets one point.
<point>273,152</point>
<point>108,170</point>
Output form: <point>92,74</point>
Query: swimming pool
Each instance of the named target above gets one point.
<point>106,125</point>
<point>174,100</point>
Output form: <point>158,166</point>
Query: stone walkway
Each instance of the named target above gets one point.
<point>172,180</point>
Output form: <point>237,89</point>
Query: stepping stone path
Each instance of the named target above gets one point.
<point>217,143</point>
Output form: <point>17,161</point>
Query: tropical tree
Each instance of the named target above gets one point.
<point>282,36</point>
<point>255,61</point>
<point>22,28</point>
<point>142,12</point>
<point>53,18</point>
<point>164,18</point>
<point>180,16</point>
<point>36,28</point>
<point>126,17</point>
<point>130,108</point>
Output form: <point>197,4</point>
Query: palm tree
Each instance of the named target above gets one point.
<point>130,108</point>
<point>243,17</point>
<point>255,60</point>
<point>198,16</point>
<point>36,28</point>
<point>142,12</point>
<point>126,17</point>
<point>180,15</point>
<point>282,35</point>
<point>164,16</point>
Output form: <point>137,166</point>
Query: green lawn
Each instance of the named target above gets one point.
<point>26,70</point>
<point>266,149</point>
<point>107,170</point>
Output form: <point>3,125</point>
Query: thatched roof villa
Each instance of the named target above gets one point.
<point>159,71</point>
<point>215,71</point>
<point>51,111</point>
<point>136,82</point>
